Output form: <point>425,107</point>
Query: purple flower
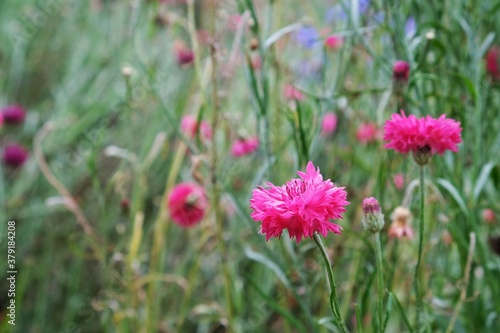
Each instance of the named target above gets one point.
<point>307,36</point>
<point>410,27</point>
<point>14,155</point>
<point>13,114</point>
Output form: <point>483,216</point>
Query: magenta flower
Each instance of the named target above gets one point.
<point>14,155</point>
<point>329,123</point>
<point>401,70</point>
<point>493,63</point>
<point>426,134</point>
<point>187,204</point>
<point>183,54</point>
<point>334,42</point>
<point>243,147</point>
<point>367,133</point>
<point>13,114</point>
<point>189,126</point>
<point>303,206</point>
<point>291,93</point>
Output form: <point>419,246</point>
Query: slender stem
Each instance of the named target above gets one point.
<point>418,292</point>
<point>380,278</point>
<point>334,301</point>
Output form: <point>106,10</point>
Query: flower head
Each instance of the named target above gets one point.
<point>401,220</point>
<point>291,93</point>
<point>367,133</point>
<point>13,114</point>
<point>373,219</point>
<point>307,36</point>
<point>187,204</point>
<point>493,63</point>
<point>423,136</point>
<point>189,126</point>
<point>14,155</point>
<point>329,123</point>
<point>488,215</point>
<point>303,206</point>
<point>399,180</point>
<point>243,147</point>
<point>334,42</point>
<point>401,71</point>
<point>183,54</point>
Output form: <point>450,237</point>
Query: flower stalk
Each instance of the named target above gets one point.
<point>418,292</point>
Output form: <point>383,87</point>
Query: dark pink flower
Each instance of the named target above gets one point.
<point>329,123</point>
<point>367,133</point>
<point>14,155</point>
<point>493,63</point>
<point>401,70</point>
<point>303,206</point>
<point>187,204</point>
<point>334,42</point>
<point>405,134</point>
<point>13,114</point>
<point>291,93</point>
<point>243,147</point>
<point>189,126</point>
<point>183,54</point>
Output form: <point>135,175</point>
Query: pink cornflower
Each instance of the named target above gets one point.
<point>399,180</point>
<point>189,126</point>
<point>329,123</point>
<point>243,147</point>
<point>493,63</point>
<point>14,155</point>
<point>334,42</point>
<point>367,133</point>
<point>13,114</point>
<point>187,204</point>
<point>401,71</point>
<point>183,54</point>
<point>423,136</point>
<point>290,92</point>
<point>303,206</point>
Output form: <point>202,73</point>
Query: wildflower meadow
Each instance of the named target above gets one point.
<point>203,166</point>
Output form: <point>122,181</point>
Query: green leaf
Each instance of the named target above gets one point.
<point>452,190</point>
<point>403,312</point>
<point>359,326</point>
<point>481,180</point>
<point>260,258</point>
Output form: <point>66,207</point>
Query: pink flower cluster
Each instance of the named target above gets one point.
<point>189,126</point>
<point>303,206</point>
<point>405,134</point>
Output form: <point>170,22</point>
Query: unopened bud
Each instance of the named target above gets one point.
<point>373,219</point>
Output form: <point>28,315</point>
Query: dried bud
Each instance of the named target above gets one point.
<point>254,44</point>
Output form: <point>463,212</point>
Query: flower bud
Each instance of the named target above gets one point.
<point>373,219</point>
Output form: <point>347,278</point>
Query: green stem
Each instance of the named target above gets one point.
<point>418,292</point>
<point>334,301</point>
<point>380,278</point>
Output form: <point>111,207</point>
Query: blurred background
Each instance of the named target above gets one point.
<point>107,105</point>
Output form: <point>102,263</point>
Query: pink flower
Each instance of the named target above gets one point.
<point>329,123</point>
<point>290,92</point>
<point>233,21</point>
<point>488,215</point>
<point>13,114</point>
<point>334,42</point>
<point>187,204</point>
<point>399,180</point>
<point>14,155</point>
<point>405,134</point>
<point>183,54</point>
<point>401,70</point>
<point>189,126</point>
<point>493,63</point>
<point>242,147</point>
<point>303,206</point>
<point>367,133</point>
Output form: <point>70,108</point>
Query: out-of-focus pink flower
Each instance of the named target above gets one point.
<point>203,36</point>
<point>233,21</point>
<point>329,123</point>
<point>399,180</point>
<point>291,93</point>
<point>334,42</point>
<point>367,133</point>
<point>1,120</point>
<point>187,204</point>
<point>488,215</point>
<point>13,114</point>
<point>243,147</point>
<point>256,63</point>
<point>493,63</point>
<point>446,237</point>
<point>401,70</point>
<point>426,134</point>
<point>183,54</point>
<point>189,125</point>
<point>14,155</point>
<point>400,227</point>
<point>303,206</point>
